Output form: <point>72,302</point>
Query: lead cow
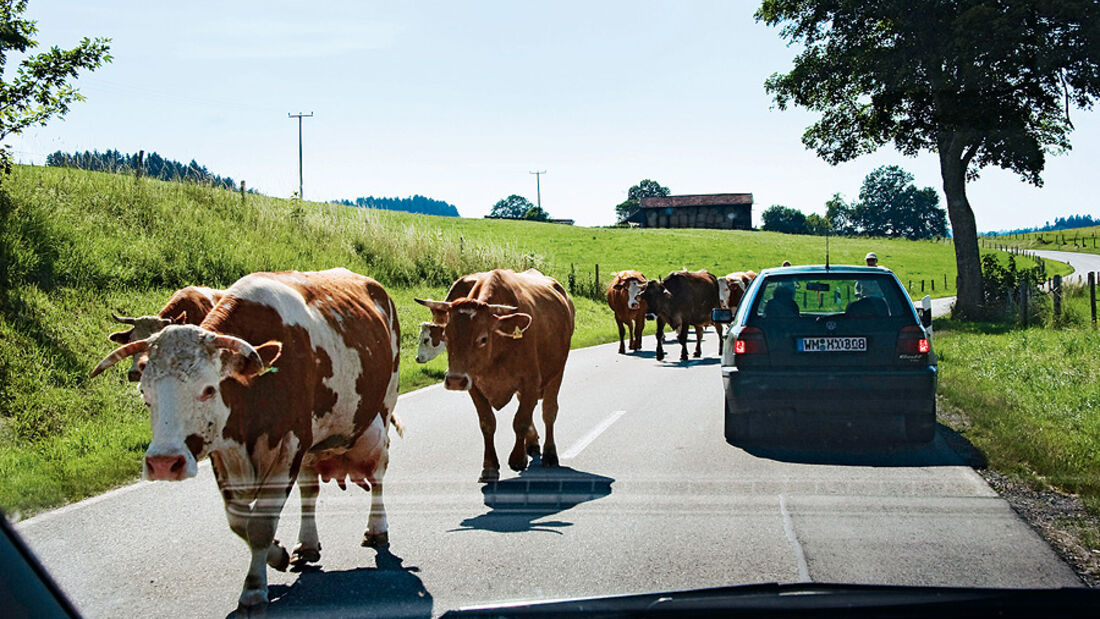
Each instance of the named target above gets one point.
<point>290,376</point>
<point>509,336</point>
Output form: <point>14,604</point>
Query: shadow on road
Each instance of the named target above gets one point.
<point>861,445</point>
<point>517,505</point>
<point>389,589</point>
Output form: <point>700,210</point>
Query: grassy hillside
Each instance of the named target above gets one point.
<point>1078,239</point>
<point>75,245</point>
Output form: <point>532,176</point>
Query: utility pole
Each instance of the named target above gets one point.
<point>538,187</point>
<point>300,116</point>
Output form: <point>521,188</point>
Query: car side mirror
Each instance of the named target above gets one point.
<point>723,315</point>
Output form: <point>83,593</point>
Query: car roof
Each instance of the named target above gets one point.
<point>821,268</point>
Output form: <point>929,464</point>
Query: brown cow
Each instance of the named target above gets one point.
<point>188,306</point>
<point>430,341</point>
<point>683,299</point>
<point>510,336</point>
<point>732,287</point>
<point>622,296</point>
<point>292,375</point>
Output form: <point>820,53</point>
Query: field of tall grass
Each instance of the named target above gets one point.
<point>76,245</point>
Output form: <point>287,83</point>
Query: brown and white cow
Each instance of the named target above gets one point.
<point>622,297</point>
<point>510,337</point>
<point>291,375</point>
<point>732,287</point>
<point>430,341</point>
<point>188,306</point>
<point>683,299</point>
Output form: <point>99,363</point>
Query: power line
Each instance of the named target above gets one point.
<point>300,116</point>
<point>538,187</point>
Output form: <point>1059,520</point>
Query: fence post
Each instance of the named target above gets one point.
<point>597,276</point>
<point>1092,294</point>
<point>1023,304</point>
<point>572,279</point>
<point>140,163</point>
<point>910,285</point>
<point>933,284</point>
<point>922,285</point>
<point>1057,295</point>
<point>945,281</point>
<point>242,193</point>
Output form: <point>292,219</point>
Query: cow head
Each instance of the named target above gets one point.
<point>185,369</point>
<point>476,332</point>
<point>430,342</point>
<point>141,328</point>
<point>655,295</point>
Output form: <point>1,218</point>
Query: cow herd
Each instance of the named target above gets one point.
<point>682,300</point>
<point>292,377</point>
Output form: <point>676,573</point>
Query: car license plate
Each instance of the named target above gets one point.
<point>832,344</point>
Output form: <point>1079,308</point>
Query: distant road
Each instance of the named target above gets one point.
<point>652,498</point>
<point>1082,263</point>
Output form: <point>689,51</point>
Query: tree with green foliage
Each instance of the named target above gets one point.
<point>891,205</point>
<point>979,82</point>
<point>536,213</point>
<point>779,218</point>
<point>816,224</point>
<point>645,189</point>
<point>839,215</point>
<point>40,88</point>
<point>512,207</point>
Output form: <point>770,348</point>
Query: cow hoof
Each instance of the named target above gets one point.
<point>622,351</point>
<point>517,462</point>
<point>489,475</point>
<point>277,556</point>
<point>380,539</point>
<point>302,555</point>
<point>533,450</point>
<point>252,601</point>
<point>660,356</point>
<point>697,354</point>
<point>550,459</point>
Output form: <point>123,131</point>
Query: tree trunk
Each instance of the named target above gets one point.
<point>967,259</point>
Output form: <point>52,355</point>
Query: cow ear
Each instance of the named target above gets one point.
<point>513,325</point>
<point>245,369</point>
<point>121,337</point>
<point>180,318</point>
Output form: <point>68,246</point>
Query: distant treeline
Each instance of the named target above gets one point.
<point>413,204</point>
<point>155,166</point>
<point>1060,223</point>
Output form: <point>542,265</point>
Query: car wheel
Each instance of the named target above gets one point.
<point>737,426</point>
<point>921,428</point>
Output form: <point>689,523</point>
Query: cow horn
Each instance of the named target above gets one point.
<point>126,320</point>
<point>120,353</point>
<point>439,306</point>
<point>502,309</point>
<point>238,345</point>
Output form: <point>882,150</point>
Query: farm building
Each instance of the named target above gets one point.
<point>731,211</point>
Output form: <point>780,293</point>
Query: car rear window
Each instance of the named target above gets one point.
<point>792,296</point>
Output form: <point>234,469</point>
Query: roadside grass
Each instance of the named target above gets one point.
<point>76,245</point>
<point>1084,240</point>
<point>1031,396</point>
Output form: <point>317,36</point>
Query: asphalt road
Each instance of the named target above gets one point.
<point>651,498</point>
<point>1081,263</point>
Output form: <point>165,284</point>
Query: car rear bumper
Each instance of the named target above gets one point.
<point>885,391</point>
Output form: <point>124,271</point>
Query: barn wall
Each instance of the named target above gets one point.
<point>701,217</point>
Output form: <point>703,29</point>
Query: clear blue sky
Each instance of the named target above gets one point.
<point>459,100</point>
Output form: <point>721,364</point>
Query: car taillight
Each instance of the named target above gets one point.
<point>912,340</point>
<point>750,341</point>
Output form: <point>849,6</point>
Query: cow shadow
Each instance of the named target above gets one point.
<point>861,444</point>
<point>386,590</point>
<point>519,504</point>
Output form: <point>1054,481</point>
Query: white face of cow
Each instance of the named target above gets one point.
<point>180,385</point>
<point>430,342</point>
<point>633,290</point>
<point>723,292</point>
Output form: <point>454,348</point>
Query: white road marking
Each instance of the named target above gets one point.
<point>587,439</point>
<point>788,528</point>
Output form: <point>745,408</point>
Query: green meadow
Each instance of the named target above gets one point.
<point>77,245</point>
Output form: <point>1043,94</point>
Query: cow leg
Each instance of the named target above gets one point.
<point>682,337</point>
<point>718,330</point>
<point>639,326</point>
<point>660,338</point>
<point>378,532</point>
<point>698,340</point>
<point>308,549</point>
<point>256,525</point>
<point>619,323</point>
<point>524,425</point>
<point>549,416</point>
<point>490,466</point>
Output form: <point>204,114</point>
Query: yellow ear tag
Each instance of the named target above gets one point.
<point>517,334</point>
